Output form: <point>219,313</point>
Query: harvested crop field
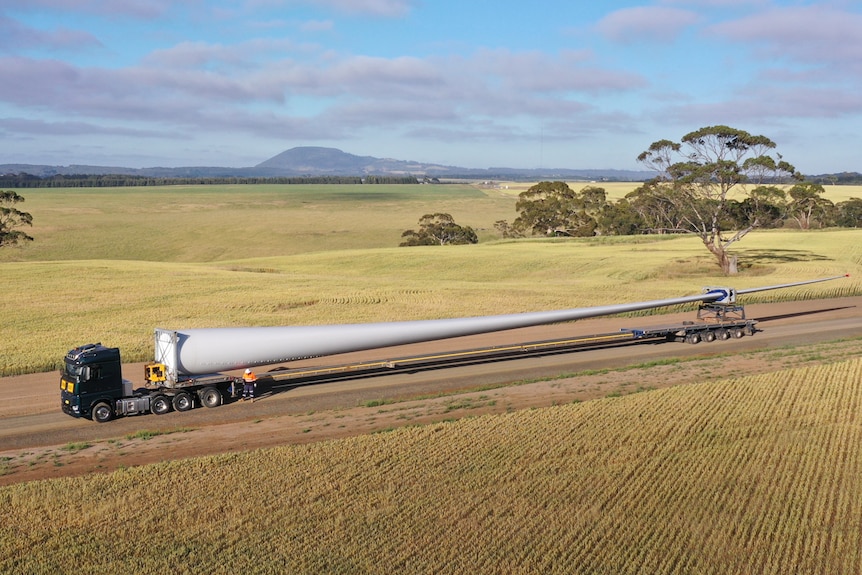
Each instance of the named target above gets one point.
<point>753,473</point>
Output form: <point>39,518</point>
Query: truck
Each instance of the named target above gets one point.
<point>92,386</point>
<point>189,365</point>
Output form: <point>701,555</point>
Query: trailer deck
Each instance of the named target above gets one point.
<point>689,332</point>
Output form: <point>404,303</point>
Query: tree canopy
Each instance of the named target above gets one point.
<point>437,230</point>
<point>12,218</point>
<point>554,209</point>
<point>695,176</point>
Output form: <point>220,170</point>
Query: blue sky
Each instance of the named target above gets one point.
<point>478,84</point>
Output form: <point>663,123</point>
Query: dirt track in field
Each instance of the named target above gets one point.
<point>38,441</point>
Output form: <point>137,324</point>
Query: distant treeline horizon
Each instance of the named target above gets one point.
<point>122,180</point>
<point>26,180</point>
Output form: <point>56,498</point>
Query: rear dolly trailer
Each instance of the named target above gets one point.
<point>696,332</point>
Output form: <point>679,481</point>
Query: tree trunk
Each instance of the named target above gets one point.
<point>732,266</point>
<point>727,263</point>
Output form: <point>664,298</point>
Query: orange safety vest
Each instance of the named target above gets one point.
<point>249,377</point>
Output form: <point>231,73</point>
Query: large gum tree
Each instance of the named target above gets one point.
<point>697,175</point>
<point>11,218</point>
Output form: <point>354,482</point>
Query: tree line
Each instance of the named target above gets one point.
<point>554,209</point>
<point>691,194</point>
<point>24,180</point>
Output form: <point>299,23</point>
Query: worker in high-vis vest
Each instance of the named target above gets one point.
<point>249,380</point>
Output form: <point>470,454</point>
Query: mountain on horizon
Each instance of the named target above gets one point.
<point>316,160</point>
<point>311,161</point>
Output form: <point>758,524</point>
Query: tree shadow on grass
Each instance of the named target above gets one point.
<point>777,256</point>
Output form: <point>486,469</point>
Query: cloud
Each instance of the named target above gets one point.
<point>16,37</point>
<point>534,71</point>
<point>702,4</point>
<point>42,128</point>
<point>385,8</point>
<point>379,8</point>
<point>210,87</point>
<point>769,105</point>
<point>646,23</point>
<point>317,26</point>
<point>813,35</point>
<point>145,9</point>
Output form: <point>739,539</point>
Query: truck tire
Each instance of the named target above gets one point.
<point>709,336</point>
<point>102,412</point>
<point>210,397</point>
<point>722,334</point>
<point>183,401</point>
<point>693,337</point>
<point>160,405</point>
<point>737,332</point>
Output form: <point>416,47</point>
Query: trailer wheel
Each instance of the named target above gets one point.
<point>709,336</point>
<point>737,332</point>
<point>160,405</point>
<point>693,337</point>
<point>102,412</point>
<point>722,334</point>
<point>210,397</point>
<point>183,401</point>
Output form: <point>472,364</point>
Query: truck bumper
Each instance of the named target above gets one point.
<point>70,409</point>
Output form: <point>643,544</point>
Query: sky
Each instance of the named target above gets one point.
<point>468,83</point>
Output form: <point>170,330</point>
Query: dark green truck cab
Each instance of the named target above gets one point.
<point>91,376</point>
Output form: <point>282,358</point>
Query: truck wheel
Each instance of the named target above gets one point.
<point>102,412</point>
<point>737,332</point>
<point>183,401</point>
<point>160,405</point>
<point>709,336</point>
<point>210,397</point>
<point>722,334</point>
<point>693,338</point>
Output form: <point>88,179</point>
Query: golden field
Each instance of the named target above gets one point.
<point>111,265</point>
<point>756,474</point>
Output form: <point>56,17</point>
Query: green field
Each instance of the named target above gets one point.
<point>112,265</point>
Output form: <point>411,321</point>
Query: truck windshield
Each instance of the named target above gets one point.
<point>73,371</point>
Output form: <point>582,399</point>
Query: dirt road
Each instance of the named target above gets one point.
<point>38,441</point>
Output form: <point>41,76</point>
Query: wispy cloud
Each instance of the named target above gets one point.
<point>387,8</point>
<point>382,8</point>
<point>651,23</point>
<point>43,128</point>
<point>814,35</point>
<point>147,9</point>
<point>16,37</point>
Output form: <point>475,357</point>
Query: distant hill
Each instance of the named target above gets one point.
<point>319,161</point>
<point>310,160</point>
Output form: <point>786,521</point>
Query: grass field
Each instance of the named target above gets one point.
<point>752,475</point>
<point>67,303</point>
<point>213,223</point>
<point>210,223</point>
<point>111,265</point>
<point>756,474</point>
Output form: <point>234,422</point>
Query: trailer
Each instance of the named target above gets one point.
<point>689,332</point>
<point>189,365</point>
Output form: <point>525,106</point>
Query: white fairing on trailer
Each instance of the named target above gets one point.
<point>208,350</point>
<point>726,296</point>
